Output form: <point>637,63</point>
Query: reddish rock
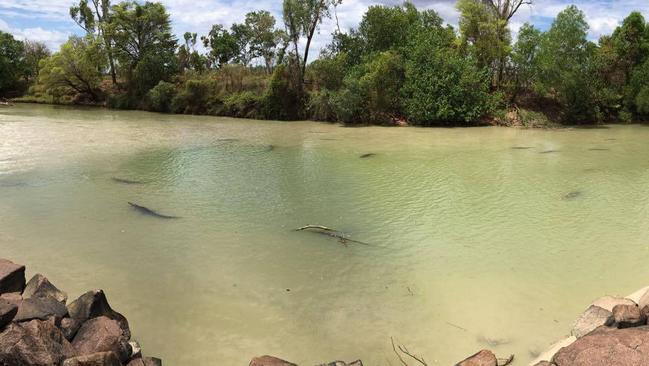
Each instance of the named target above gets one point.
<point>13,298</point>
<point>269,361</point>
<point>94,304</point>
<point>97,359</point>
<point>627,316</point>
<point>40,308</point>
<point>607,347</point>
<point>33,343</point>
<point>69,327</point>
<point>7,312</point>
<point>482,358</point>
<point>101,335</point>
<point>40,286</point>
<point>145,361</point>
<point>12,277</point>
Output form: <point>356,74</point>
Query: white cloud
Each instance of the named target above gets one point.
<point>52,38</point>
<point>198,16</point>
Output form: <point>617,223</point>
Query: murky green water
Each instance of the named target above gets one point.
<point>473,242</point>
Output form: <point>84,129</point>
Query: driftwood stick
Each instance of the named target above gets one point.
<point>317,227</point>
<point>418,359</point>
<point>394,348</point>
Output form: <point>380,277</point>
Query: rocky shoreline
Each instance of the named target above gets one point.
<point>39,328</point>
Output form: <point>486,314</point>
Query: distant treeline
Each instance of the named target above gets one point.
<point>400,64</point>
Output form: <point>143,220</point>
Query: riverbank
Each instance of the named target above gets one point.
<point>38,327</point>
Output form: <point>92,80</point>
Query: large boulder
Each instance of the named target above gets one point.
<point>593,318</point>
<point>102,334</point>
<point>40,286</point>
<point>609,302</point>
<point>94,304</point>
<point>41,308</point>
<point>7,312</point>
<point>96,359</point>
<point>269,361</point>
<point>607,346</point>
<point>627,316</point>
<point>12,276</point>
<point>482,358</point>
<point>34,343</point>
<point>145,361</point>
<point>638,296</point>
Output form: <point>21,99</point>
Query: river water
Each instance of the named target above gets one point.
<point>473,243</point>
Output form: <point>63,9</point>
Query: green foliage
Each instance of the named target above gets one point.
<point>283,97</point>
<point>161,96</point>
<point>197,97</point>
<point>75,69</point>
<point>566,66</point>
<point>144,44</point>
<point>222,45</point>
<point>242,105</point>
<point>525,57</point>
<point>12,64</point>
<point>321,106</point>
<point>443,87</point>
<point>328,72</point>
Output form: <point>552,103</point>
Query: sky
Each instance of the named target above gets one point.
<point>48,21</point>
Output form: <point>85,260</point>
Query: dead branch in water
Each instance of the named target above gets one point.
<point>342,237</point>
<point>405,351</point>
<point>317,227</point>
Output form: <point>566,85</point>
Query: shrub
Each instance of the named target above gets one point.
<point>242,105</point>
<point>283,99</point>
<point>161,96</point>
<point>321,106</point>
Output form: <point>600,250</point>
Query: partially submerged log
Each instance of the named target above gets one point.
<point>342,237</point>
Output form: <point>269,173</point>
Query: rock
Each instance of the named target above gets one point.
<point>136,349</point>
<point>627,316</point>
<point>591,319</point>
<point>69,327</point>
<point>550,352</point>
<point>94,304</point>
<point>40,286</point>
<point>545,363</point>
<point>607,346</point>
<point>269,361</point>
<point>13,298</point>
<point>638,295</point>
<point>12,277</point>
<point>101,334</point>
<point>341,363</point>
<point>96,359</point>
<point>7,312</point>
<point>482,358</point>
<point>609,302</point>
<point>40,308</point>
<point>33,343</point>
<point>145,361</point>
<point>644,299</point>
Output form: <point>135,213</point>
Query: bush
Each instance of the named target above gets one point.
<point>242,105</point>
<point>161,96</point>
<point>197,97</point>
<point>283,99</point>
<point>642,101</point>
<point>443,87</point>
<point>321,106</point>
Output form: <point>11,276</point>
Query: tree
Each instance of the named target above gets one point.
<point>264,38</point>
<point>302,18</point>
<point>222,45</point>
<point>442,86</point>
<point>75,69</point>
<point>34,53</point>
<point>188,57</point>
<point>144,44</point>
<point>630,43</point>
<point>12,63</point>
<point>92,17</point>
<point>525,58</point>
<point>566,66</point>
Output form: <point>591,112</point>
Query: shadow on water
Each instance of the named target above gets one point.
<point>573,195</point>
